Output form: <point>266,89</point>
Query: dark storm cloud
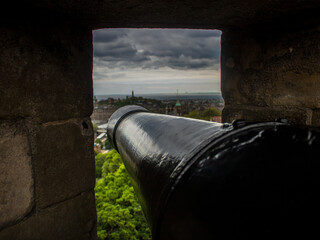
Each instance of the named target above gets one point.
<point>108,35</point>
<point>152,49</point>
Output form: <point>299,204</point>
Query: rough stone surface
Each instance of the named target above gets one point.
<point>294,115</point>
<point>316,118</point>
<point>45,72</point>
<point>70,220</point>
<point>46,84</point>
<point>164,13</point>
<point>16,180</point>
<point>64,161</point>
<point>267,71</point>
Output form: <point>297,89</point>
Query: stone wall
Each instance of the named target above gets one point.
<point>269,75</point>
<point>46,137</point>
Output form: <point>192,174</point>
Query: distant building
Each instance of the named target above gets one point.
<point>169,109</point>
<point>177,108</point>
<point>101,115</point>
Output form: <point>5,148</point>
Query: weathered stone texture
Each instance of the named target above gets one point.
<point>163,13</point>
<point>316,118</point>
<point>16,177</point>
<point>45,72</point>
<point>70,220</point>
<point>294,115</point>
<point>46,151</point>
<point>64,162</point>
<point>271,70</point>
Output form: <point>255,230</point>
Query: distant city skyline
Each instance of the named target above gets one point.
<point>156,61</point>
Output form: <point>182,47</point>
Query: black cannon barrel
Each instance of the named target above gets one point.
<point>201,180</point>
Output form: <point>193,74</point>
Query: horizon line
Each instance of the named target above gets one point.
<point>219,92</point>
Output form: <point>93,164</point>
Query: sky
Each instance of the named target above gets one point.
<point>155,61</point>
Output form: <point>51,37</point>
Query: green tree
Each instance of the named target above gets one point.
<point>107,144</point>
<point>100,158</point>
<point>95,153</point>
<point>193,114</point>
<point>209,113</point>
<point>112,163</point>
<point>118,211</point>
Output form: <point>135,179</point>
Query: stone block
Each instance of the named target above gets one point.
<point>45,72</point>
<point>316,118</point>
<point>64,160</point>
<point>294,115</point>
<point>16,174</point>
<point>72,219</point>
<point>257,70</point>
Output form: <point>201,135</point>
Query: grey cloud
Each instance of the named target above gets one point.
<point>154,48</point>
<point>103,76</point>
<point>98,76</point>
<point>185,63</point>
<point>108,35</point>
<point>120,51</point>
<point>116,51</point>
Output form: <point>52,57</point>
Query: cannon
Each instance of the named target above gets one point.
<point>202,180</point>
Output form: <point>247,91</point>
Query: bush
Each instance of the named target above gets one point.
<point>118,212</point>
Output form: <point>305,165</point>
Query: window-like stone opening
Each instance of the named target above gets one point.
<point>168,71</point>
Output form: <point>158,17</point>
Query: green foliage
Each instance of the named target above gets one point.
<point>206,115</point>
<point>100,159</point>
<point>112,163</point>
<point>209,113</point>
<point>118,211</point>
<point>95,153</point>
<point>193,114</point>
<point>107,144</point>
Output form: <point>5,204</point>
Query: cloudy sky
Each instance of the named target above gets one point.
<point>155,61</point>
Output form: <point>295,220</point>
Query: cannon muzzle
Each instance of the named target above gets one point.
<point>202,180</point>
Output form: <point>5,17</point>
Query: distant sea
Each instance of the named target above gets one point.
<point>167,96</point>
